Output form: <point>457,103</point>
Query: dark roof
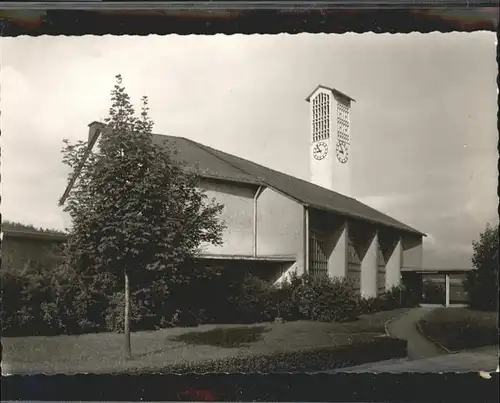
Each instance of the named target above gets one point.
<point>208,166</point>
<point>218,164</point>
<point>26,234</point>
<point>336,92</point>
<point>423,270</point>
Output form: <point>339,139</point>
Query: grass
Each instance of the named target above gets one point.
<point>460,329</point>
<point>157,350</point>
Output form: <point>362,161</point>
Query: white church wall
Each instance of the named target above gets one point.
<point>279,225</point>
<point>237,214</point>
<point>337,262</point>
<point>369,269</point>
<point>412,251</point>
<point>393,268</point>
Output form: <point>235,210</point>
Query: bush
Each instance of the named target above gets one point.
<point>363,351</point>
<point>253,301</point>
<point>287,306</point>
<point>368,305</point>
<point>393,298</point>
<point>36,301</point>
<point>48,301</point>
<point>326,299</point>
<point>114,314</point>
<point>41,300</point>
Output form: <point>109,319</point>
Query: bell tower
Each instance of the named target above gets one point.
<point>330,147</point>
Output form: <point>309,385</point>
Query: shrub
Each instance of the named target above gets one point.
<point>114,313</point>
<point>39,300</point>
<point>15,314</point>
<point>36,301</point>
<point>252,301</point>
<point>365,349</point>
<point>369,305</point>
<point>286,306</point>
<point>326,299</point>
<point>393,298</point>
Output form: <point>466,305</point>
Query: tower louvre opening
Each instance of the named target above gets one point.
<point>343,123</point>
<point>321,117</point>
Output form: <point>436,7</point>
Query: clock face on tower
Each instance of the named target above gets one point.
<point>341,152</point>
<point>320,150</point>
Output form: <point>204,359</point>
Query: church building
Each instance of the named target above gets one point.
<point>277,224</point>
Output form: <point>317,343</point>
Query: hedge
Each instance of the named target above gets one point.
<point>50,301</point>
<point>461,328</point>
<point>311,360</point>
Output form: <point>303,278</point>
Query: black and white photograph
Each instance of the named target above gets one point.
<point>306,203</point>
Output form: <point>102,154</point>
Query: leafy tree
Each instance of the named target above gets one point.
<point>482,283</point>
<point>138,216</point>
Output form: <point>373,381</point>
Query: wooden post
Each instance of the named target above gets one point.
<point>128,350</point>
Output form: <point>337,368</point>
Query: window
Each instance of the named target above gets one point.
<point>321,117</point>
<point>317,256</point>
<point>343,122</point>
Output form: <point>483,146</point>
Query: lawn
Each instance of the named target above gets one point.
<point>460,329</point>
<point>171,348</point>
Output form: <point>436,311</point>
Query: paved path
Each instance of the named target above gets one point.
<point>418,345</point>
<point>484,359</point>
<point>425,356</point>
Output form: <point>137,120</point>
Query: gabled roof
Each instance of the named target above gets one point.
<point>333,90</point>
<point>218,164</point>
<point>196,156</point>
<point>26,234</point>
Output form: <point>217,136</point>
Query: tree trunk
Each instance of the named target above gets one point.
<point>128,350</point>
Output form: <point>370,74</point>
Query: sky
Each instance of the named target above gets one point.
<point>423,127</point>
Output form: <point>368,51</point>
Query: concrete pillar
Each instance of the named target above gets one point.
<point>337,262</point>
<point>369,270</point>
<point>306,240</point>
<point>447,289</point>
<point>393,267</point>
<point>255,215</point>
